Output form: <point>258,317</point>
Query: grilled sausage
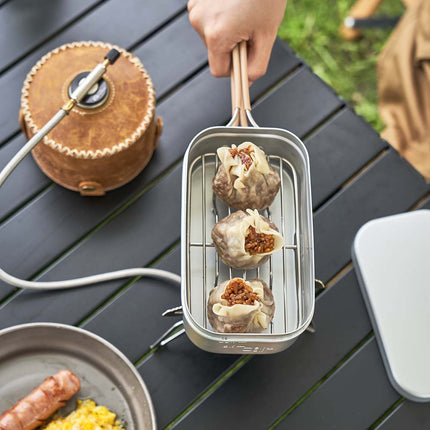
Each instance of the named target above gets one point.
<point>31,411</point>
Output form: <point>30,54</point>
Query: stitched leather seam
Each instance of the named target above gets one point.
<point>89,154</point>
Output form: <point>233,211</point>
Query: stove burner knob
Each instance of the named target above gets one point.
<point>96,96</point>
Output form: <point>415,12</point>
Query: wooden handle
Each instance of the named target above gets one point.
<point>244,75</point>
<point>239,82</point>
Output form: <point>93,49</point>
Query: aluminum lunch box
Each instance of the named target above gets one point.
<point>289,272</point>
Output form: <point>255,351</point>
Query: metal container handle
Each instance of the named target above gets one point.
<point>241,105</point>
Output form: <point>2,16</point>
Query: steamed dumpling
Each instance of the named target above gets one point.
<point>245,240</point>
<point>244,178</point>
<point>239,306</point>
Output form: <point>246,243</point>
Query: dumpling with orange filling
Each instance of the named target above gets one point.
<point>239,306</point>
<point>245,179</point>
<point>245,240</point>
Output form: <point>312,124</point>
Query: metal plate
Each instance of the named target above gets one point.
<point>391,255</point>
<point>31,352</point>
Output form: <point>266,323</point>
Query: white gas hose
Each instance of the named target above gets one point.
<point>78,282</point>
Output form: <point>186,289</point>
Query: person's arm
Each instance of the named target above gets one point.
<point>223,24</point>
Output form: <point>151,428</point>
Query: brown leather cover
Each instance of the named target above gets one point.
<point>91,150</point>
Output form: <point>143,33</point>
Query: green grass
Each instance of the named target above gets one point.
<point>311,28</point>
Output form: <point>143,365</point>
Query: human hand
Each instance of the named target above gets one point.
<point>223,24</point>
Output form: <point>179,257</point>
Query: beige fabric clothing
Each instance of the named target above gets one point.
<point>404,87</point>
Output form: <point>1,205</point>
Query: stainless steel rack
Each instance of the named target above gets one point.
<point>282,272</point>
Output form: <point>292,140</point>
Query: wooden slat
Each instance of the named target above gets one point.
<point>168,43</point>
<point>408,415</point>
<point>298,107</point>
<point>58,208</point>
<point>172,54</point>
<point>139,309</point>
<point>389,186</point>
<point>278,381</point>
<point>338,150</point>
<point>122,22</point>
<point>25,181</point>
<point>132,239</point>
<point>352,398</point>
<point>27,23</point>
<point>2,2</point>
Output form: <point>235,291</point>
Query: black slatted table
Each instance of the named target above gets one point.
<point>331,379</point>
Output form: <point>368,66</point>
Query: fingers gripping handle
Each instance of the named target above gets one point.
<point>240,88</point>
